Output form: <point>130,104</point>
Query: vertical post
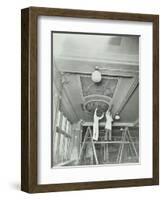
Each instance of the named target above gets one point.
<point>120,153</point>
<point>82,147</point>
<point>132,143</point>
<point>93,146</point>
<point>106,152</point>
<point>58,142</point>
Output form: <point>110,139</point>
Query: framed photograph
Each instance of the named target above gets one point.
<point>90,99</point>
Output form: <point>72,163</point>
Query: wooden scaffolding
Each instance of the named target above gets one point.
<point>125,139</point>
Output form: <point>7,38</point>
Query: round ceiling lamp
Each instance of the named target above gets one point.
<point>117,117</point>
<point>96,75</point>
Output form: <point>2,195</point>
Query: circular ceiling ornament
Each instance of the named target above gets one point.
<point>99,102</point>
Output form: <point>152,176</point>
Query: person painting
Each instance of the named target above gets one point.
<point>96,125</point>
<point>108,125</point>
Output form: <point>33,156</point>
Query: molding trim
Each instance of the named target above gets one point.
<point>128,95</point>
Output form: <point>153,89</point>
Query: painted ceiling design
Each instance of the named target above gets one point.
<point>76,55</point>
<point>92,105</point>
<point>106,87</point>
<point>97,95</point>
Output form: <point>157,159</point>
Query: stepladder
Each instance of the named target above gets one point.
<point>126,137</point>
<point>88,143</point>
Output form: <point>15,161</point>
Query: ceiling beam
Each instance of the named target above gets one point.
<point>115,124</point>
<point>110,59</point>
<point>128,95</point>
<point>109,72</point>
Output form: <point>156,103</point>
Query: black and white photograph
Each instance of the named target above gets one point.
<point>95,99</point>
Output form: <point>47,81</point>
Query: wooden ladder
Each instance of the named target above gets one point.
<point>126,135</point>
<point>120,152</point>
<point>88,133</point>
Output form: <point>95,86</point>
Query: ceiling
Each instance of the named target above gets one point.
<point>75,57</point>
